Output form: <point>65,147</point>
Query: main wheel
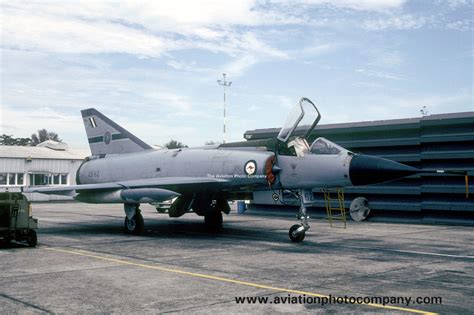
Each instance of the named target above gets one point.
<point>134,225</point>
<point>213,221</point>
<point>32,239</point>
<point>295,236</point>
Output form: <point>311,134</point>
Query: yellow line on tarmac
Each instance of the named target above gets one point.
<point>250,284</point>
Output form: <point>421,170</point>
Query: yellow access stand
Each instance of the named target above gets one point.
<point>335,209</point>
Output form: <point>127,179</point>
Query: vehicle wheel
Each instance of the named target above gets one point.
<point>135,225</point>
<point>294,236</point>
<point>213,221</point>
<point>32,239</point>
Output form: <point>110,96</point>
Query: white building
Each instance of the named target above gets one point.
<point>48,163</point>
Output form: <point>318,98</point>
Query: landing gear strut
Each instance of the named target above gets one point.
<point>298,231</point>
<point>134,223</point>
<point>213,220</point>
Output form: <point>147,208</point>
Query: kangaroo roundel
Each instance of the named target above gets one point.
<point>250,167</point>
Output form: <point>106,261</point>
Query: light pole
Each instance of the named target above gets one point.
<point>224,83</point>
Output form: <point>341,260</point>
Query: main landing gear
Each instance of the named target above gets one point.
<point>213,221</point>
<point>213,217</point>
<point>134,223</point>
<point>298,231</point>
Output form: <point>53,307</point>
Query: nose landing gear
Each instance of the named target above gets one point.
<point>298,231</point>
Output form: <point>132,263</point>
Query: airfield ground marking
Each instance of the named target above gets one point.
<point>250,284</point>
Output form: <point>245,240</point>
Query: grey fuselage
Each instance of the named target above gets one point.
<point>309,171</point>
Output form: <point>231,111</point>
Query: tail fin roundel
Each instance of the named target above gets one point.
<point>107,137</point>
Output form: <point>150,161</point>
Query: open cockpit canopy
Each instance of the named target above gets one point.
<point>304,113</point>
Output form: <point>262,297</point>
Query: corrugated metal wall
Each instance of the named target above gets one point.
<point>54,166</point>
<point>20,165</point>
<point>432,142</point>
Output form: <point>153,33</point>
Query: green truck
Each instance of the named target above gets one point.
<point>16,222</point>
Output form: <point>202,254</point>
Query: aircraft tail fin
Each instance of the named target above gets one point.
<point>107,137</point>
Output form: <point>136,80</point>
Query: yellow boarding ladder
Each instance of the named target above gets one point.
<point>336,212</point>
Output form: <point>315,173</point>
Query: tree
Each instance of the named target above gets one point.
<point>10,140</point>
<point>44,135</point>
<point>173,144</point>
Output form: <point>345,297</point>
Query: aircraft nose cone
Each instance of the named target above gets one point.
<point>366,169</point>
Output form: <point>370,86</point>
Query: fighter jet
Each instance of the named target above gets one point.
<point>124,169</point>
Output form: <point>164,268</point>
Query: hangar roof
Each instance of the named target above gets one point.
<point>22,152</point>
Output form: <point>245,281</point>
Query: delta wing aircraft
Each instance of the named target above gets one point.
<point>124,169</point>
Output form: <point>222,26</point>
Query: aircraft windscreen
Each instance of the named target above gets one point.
<point>324,146</point>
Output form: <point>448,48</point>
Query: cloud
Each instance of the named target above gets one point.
<point>391,59</point>
<point>238,66</point>
<point>395,22</point>
<point>168,99</point>
<point>380,107</point>
<point>23,123</point>
<point>463,25</point>
<point>454,4</point>
<point>391,107</point>
<point>378,74</point>
<point>28,31</point>
<point>161,28</point>
<point>370,5</point>
<point>153,64</point>
<point>369,85</point>
<point>154,15</point>
<point>317,49</point>
<point>192,66</point>
<point>148,29</point>
<point>359,5</point>
<point>435,102</point>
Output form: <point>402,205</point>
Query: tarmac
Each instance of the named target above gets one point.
<point>85,264</point>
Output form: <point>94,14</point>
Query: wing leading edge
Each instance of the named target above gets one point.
<point>175,185</point>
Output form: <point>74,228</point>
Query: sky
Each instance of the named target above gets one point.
<point>153,66</point>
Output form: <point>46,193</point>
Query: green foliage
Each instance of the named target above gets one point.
<point>10,140</point>
<point>173,144</point>
<point>44,135</point>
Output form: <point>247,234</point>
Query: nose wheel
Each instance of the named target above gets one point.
<point>297,233</point>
